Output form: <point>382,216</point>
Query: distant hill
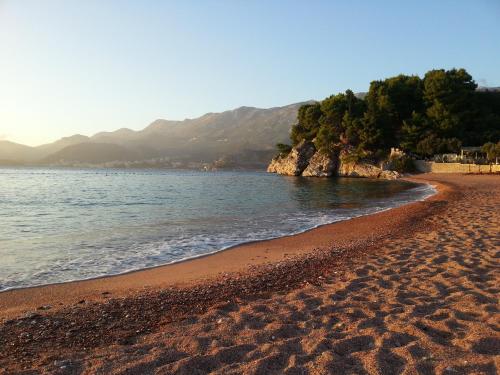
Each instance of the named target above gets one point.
<point>245,134</point>
<point>91,153</point>
<point>10,151</point>
<point>26,154</point>
<point>50,148</point>
<point>490,89</point>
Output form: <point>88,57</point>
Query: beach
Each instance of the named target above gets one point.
<point>409,290</point>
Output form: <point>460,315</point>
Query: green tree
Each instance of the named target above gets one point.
<point>492,151</point>
<point>338,113</point>
<point>307,123</point>
<point>283,149</point>
<point>413,131</point>
<point>389,103</point>
<point>448,95</point>
<point>426,116</point>
<point>432,145</point>
<point>486,124</point>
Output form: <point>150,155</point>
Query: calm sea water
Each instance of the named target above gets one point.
<point>58,225</point>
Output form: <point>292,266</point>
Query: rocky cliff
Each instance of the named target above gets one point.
<point>295,162</point>
<point>321,164</point>
<point>351,169</point>
<point>305,160</point>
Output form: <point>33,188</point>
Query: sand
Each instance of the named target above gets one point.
<point>410,290</point>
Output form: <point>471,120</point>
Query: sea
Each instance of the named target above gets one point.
<point>58,225</point>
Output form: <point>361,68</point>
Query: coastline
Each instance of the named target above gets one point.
<point>415,287</point>
<point>198,270</point>
<point>231,247</point>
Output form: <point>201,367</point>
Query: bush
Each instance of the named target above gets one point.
<point>283,149</point>
<point>492,151</point>
<point>433,145</point>
<point>403,164</point>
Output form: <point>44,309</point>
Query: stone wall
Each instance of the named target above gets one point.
<point>430,166</point>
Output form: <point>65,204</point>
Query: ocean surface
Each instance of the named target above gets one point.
<point>59,225</point>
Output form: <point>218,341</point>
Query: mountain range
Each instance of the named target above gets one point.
<point>243,136</point>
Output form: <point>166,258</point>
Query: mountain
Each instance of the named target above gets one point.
<point>15,152</point>
<point>239,136</point>
<point>91,153</point>
<point>50,148</point>
<point>488,89</point>
<point>244,136</point>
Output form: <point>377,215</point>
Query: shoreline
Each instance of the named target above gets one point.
<point>229,248</point>
<point>377,294</point>
<point>192,271</point>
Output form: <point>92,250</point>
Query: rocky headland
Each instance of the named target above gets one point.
<point>305,160</point>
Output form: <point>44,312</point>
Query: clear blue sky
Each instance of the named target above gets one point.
<point>84,66</point>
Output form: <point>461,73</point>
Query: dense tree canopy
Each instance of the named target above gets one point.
<point>424,116</point>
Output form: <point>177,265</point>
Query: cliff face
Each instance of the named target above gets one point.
<point>295,162</point>
<point>321,165</point>
<point>350,169</point>
<point>304,160</point>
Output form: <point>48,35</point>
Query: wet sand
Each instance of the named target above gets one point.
<point>195,271</point>
<point>410,290</point>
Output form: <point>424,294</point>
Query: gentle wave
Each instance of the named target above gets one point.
<point>111,233</point>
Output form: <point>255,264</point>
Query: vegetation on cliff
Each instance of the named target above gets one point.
<point>424,116</point>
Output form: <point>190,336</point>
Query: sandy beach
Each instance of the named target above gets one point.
<point>412,290</point>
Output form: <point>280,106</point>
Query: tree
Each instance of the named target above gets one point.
<point>413,131</point>
<point>338,113</point>
<point>448,96</point>
<point>307,124</point>
<point>326,122</point>
<point>426,116</point>
<point>283,149</point>
<point>325,138</point>
<point>486,125</point>
<point>492,151</point>
<point>390,103</point>
<point>432,145</point>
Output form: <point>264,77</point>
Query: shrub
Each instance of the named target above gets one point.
<point>403,164</point>
<point>283,149</point>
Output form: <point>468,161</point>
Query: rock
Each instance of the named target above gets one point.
<point>63,364</point>
<point>389,175</point>
<point>354,169</point>
<point>349,168</point>
<point>295,162</point>
<point>304,160</point>
<point>396,153</point>
<point>31,315</point>
<point>321,164</point>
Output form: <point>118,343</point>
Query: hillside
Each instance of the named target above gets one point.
<point>209,136</point>
<point>91,153</point>
<point>240,136</point>
<point>15,152</point>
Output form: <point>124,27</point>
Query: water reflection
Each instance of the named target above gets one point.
<point>59,225</point>
<point>344,192</point>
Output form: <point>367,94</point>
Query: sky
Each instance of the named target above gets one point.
<point>79,67</point>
